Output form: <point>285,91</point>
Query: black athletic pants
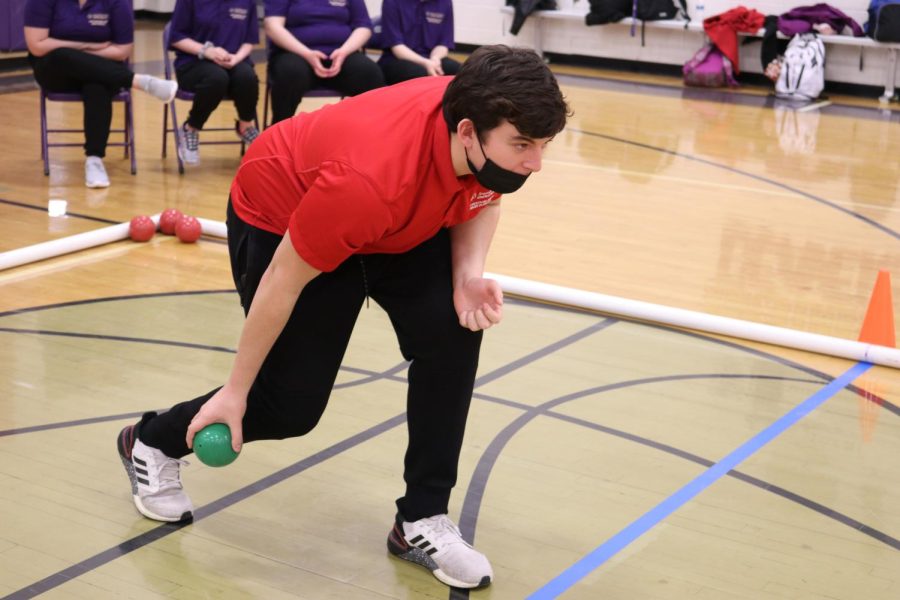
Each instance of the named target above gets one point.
<point>98,79</point>
<point>211,83</point>
<point>292,77</point>
<point>399,70</point>
<point>293,386</point>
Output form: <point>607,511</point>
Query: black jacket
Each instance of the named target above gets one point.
<point>525,8</point>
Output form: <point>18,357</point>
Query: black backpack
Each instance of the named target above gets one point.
<point>612,11</point>
<point>658,10</point>
<point>607,11</point>
<point>884,20</point>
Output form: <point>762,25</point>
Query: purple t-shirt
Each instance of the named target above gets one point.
<point>97,21</point>
<point>419,24</point>
<point>226,23</point>
<point>321,24</point>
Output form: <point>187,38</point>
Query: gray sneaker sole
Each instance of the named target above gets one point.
<point>420,557</point>
<point>187,160</point>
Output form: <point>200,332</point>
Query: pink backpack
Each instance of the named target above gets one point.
<point>709,68</point>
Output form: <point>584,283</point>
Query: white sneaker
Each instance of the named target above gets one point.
<point>155,479</point>
<point>437,544</point>
<point>189,146</point>
<point>95,173</point>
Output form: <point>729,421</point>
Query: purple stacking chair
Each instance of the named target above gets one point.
<point>127,130</point>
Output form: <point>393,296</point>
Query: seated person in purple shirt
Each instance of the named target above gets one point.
<point>82,46</point>
<point>416,36</point>
<point>213,40</point>
<point>317,43</point>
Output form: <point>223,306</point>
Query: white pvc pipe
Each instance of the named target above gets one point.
<point>769,334</point>
<point>72,243</point>
<point>645,311</point>
<point>215,228</point>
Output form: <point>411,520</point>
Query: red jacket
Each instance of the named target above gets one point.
<point>722,30</point>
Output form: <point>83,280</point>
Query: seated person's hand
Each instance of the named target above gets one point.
<point>337,61</point>
<point>315,58</point>
<point>773,69</point>
<point>433,67</point>
<point>217,55</point>
<point>229,62</point>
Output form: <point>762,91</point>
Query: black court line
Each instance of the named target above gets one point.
<point>880,401</point>
<point>116,338</point>
<point>39,208</point>
<point>720,96</point>
<point>475,490</point>
<point>28,309</point>
<point>73,423</point>
<point>825,377</point>
<point>467,512</point>
<point>543,352</point>
<point>735,170</point>
<point>159,532</point>
<point>370,376</point>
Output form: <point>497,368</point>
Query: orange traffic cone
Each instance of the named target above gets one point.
<point>878,325</point>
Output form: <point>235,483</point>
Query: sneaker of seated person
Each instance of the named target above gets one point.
<point>155,479</point>
<point>189,145</point>
<point>437,544</point>
<point>247,135</point>
<point>95,173</point>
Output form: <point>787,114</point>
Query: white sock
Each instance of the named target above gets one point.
<point>162,89</point>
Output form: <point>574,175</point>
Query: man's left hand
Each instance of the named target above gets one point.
<point>479,303</point>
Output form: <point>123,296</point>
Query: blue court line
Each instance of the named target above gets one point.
<point>618,542</point>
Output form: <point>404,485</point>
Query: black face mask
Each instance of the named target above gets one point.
<point>494,177</point>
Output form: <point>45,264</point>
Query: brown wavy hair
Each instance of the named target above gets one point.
<point>499,82</point>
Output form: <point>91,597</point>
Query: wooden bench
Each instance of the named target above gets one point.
<point>543,19</point>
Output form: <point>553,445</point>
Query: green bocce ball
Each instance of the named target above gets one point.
<point>212,445</point>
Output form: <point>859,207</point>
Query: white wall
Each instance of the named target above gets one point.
<point>481,22</point>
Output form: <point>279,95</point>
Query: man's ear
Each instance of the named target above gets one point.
<point>465,130</point>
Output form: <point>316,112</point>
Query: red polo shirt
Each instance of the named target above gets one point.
<point>369,174</point>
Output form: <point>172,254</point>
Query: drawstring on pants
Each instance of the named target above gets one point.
<point>362,265</point>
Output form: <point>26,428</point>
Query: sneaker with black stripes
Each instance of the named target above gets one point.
<point>437,544</point>
<point>155,479</point>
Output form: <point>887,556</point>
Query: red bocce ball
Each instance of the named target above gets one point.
<point>141,228</point>
<point>188,229</point>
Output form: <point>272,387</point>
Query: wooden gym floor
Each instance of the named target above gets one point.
<point>604,458</point>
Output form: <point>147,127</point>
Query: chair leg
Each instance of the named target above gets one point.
<point>45,151</point>
<point>176,131</point>
<point>129,134</point>
<point>125,129</point>
<point>265,121</point>
<point>165,139</point>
